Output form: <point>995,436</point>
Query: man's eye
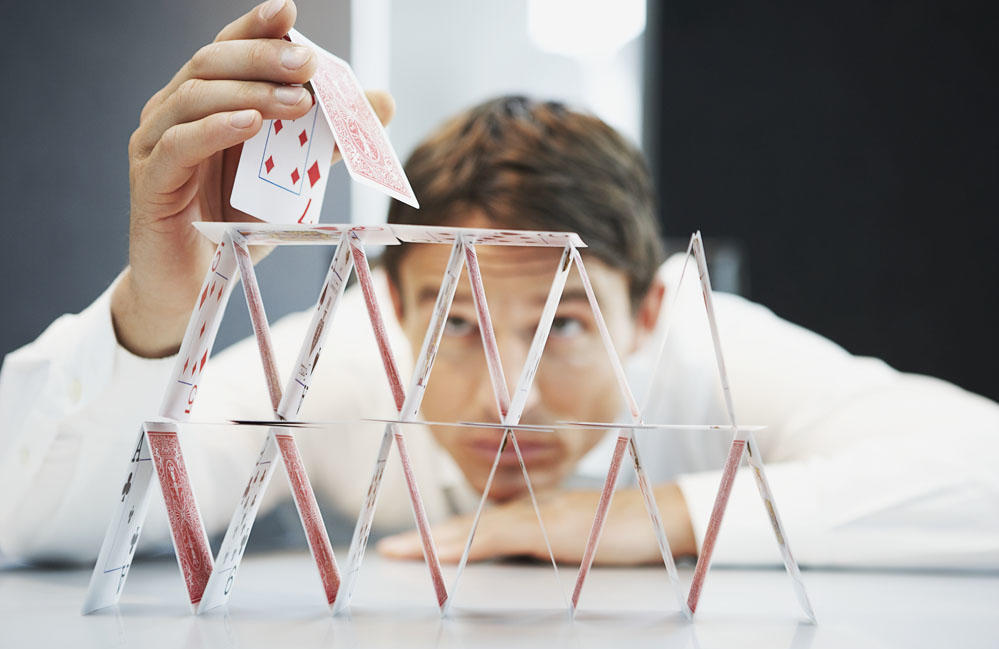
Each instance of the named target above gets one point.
<point>565,327</point>
<point>458,326</point>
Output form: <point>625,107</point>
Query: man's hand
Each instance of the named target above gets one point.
<point>182,162</point>
<point>512,530</point>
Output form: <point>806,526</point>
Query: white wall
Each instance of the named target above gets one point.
<point>438,57</point>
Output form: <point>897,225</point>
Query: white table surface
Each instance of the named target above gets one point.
<point>277,603</point>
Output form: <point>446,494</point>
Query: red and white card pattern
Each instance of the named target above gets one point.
<point>312,521</point>
<point>285,403</point>
<point>189,538</point>
<point>123,532</point>
<point>367,152</point>
<point>158,451</point>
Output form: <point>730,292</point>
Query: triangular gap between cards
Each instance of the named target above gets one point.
<point>282,444</point>
<point>413,402</point>
<point>120,540</point>
<point>482,594</point>
<point>701,345</point>
<point>625,449</point>
<point>404,406</point>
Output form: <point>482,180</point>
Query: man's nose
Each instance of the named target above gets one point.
<point>485,405</point>
<point>513,351</point>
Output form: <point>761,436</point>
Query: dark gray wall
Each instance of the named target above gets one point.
<point>75,76</point>
<point>852,148</point>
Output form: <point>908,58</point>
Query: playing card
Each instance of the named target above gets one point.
<point>312,344</point>
<point>486,236</point>
<point>123,532</point>
<point>392,431</point>
<point>295,234</point>
<point>308,512</point>
<point>200,335</point>
<point>411,405</point>
<point>290,401</point>
<point>116,553</point>
<point>743,442</point>
<point>510,407</point>
<point>238,533</point>
<point>367,152</point>
<point>190,541</point>
<point>625,440</point>
<point>258,316</point>
<point>282,171</point>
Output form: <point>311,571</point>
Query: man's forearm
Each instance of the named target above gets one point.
<point>676,519</point>
<point>149,330</point>
<point>511,529</point>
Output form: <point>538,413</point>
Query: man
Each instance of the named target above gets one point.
<point>869,466</point>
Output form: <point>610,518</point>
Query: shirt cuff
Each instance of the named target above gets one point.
<point>746,536</point>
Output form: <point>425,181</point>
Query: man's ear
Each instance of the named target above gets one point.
<point>648,312</point>
<point>396,297</point>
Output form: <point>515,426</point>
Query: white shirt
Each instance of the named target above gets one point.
<point>869,466</point>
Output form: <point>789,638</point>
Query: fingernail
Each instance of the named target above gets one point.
<point>289,95</point>
<point>271,8</point>
<point>243,118</point>
<point>295,57</point>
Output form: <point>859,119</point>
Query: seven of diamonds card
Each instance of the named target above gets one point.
<point>282,172</point>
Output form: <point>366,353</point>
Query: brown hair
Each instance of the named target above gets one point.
<point>542,166</point>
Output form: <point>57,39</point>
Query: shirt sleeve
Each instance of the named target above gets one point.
<point>71,404</point>
<point>868,466</point>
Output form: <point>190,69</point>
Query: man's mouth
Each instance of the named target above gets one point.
<point>534,450</point>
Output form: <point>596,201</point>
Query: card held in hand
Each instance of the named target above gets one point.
<point>367,152</point>
<point>282,172</point>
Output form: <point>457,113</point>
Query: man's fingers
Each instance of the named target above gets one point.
<point>197,98</point>
<point>185,145</point>
<point>259,59</point>
<point>449,538</point>
<point>271,19</point>
<point>497,536</point>
<point>401,546</point>
<point>383,103</point>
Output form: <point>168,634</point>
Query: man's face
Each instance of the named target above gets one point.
<point>575,380</point>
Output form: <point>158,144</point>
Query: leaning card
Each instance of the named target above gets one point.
<point>190,541</point>
<point>116,553</point>
<point>367,152</point>
<point>282,172</point>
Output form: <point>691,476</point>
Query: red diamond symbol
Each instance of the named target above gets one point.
<point>204,359</point>
<point>294,177</point>
<point>185,366</point>
<point>202,332</point>
<point>313,174</point>
<point>302,138</point>
<point>269,163</point>
<point>277,126</point>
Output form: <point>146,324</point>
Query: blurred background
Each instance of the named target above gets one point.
<point>842,158</point>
